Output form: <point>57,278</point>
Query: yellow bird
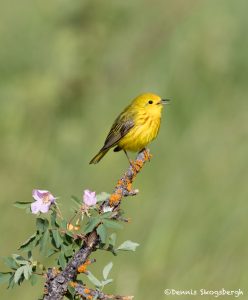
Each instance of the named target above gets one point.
<point>135,127</point>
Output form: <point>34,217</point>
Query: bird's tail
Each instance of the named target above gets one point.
<point>99,156</point>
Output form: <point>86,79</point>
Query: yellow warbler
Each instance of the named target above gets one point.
<point>135,127</point>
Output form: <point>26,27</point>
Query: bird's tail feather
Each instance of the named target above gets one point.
<point>99,156</point>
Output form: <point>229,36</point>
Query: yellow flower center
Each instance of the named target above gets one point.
<point>46,198</point>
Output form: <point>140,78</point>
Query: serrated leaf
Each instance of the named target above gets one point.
<point>93,221</point>
<point>29,243</point>
<point>42,224</point>
<point>102,232</point>
<point>128,246</point>
<point>93,279</point>
<point>4,277</point>
<point>57,238</point>
<point>33,279</point>
<point>112,224</point>
<point>62,260</point>
<point>106,270</point>
<point>102,197</point>
<point>18,274</point>
<point>10,262</point>
<point>112,239</point>
<point>22,205</point>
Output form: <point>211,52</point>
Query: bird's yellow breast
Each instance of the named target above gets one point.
<point>144,131</point>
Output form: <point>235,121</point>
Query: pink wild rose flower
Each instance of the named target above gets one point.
<point>43,200</point>
<point>89,198</point>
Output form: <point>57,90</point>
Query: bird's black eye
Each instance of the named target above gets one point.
<point>150,101</point>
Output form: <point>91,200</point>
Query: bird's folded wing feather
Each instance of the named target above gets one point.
<point>120,128</point>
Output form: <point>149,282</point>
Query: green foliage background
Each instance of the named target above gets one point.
<point>69,67</point>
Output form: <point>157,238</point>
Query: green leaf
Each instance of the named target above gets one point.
<point>102,232</point>
<point>91,224</point>
<point>105,282</point>
<point>50,252</point>
<point>29,243</point>
<point>112,224</point>
<point>23,262</point>
<point>93,279</point>
<point>63,224</point>
<point>62,260</point>
<point>33,279</point>
<point>20,260</point>
<point>18,257</point>
<point>11,281</point>
<point>10,262</point>
<point>128,246</point>
<point>69,234</point>
<point>53,218</point>
<point>102,197</point>
<point>57,238</point>
<point>43,241</point>
<point>112,239</point>
<point>106,270</point>
<point>18,274</point>
<point>29,255</point>
<point>26,272</point>
<point>4,277</point>
<point>42,224</point>
<point>68,251</point>
<point>30,271</point>
<point>107,215</point>
<point>71,290</point>
<point>22,205</point>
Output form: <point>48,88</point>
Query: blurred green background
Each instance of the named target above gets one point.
<point>68,68</point>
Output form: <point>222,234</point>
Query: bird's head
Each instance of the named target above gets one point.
<point>150,103</point>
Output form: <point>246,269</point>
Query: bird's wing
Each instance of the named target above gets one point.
<point>120,128</point>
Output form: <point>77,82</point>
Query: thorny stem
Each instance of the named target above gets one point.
<point>57,282</point>
<point>74,216</point>
<point>82,211</point>
<point>59,211</point>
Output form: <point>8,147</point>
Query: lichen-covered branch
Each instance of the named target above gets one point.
<point>124,187</point>
<point>87,293</point>
<point>56,284</point>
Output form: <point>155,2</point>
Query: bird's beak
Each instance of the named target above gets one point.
<point>165,101</point>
